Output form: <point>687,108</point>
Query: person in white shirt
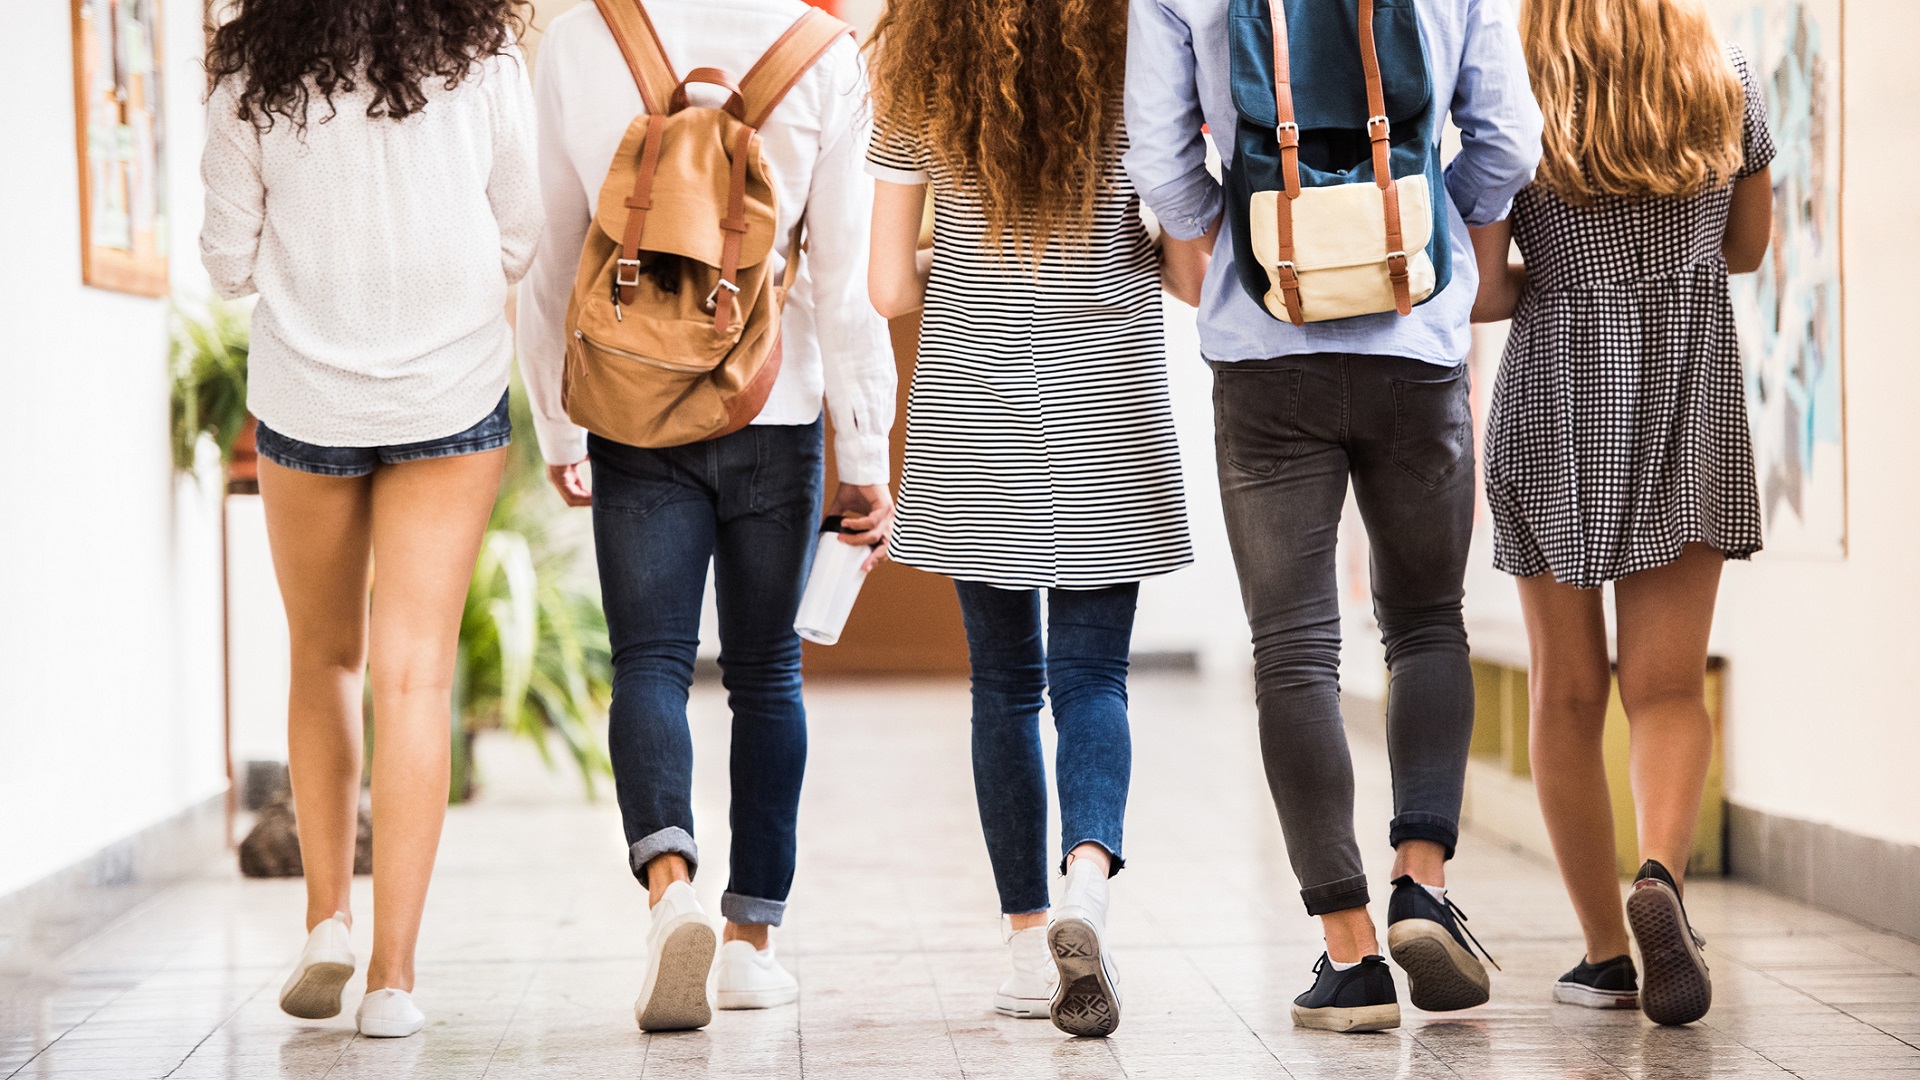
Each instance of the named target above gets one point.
<point>747,502</point>
<point>369,173</point>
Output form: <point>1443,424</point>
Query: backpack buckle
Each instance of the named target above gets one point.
<point>1397,265</point>
<point>715,294</point>
<point>621,267</point>
<point>1289,275</point>
<point>1288,133</point>
<point>1383,123</point>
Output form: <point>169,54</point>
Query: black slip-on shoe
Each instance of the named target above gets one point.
<point>1427,940</point>
<point>1360,998</point>
<point>1610,984</point>
<point>1676,988</point>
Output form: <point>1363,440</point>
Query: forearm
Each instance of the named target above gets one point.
<point>897,272</point>
<point>1183,264</point>
<point>1502,281</point>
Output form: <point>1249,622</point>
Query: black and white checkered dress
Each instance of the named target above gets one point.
<point>1618,429</point>
<point>1040,440</point>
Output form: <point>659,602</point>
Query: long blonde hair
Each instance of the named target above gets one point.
<point>1020,97</point>
<point>1640,97</point>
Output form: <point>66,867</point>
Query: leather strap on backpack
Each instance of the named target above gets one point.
<point>1378,131</point>
<point>1288,133</point>
<point>646,58</point>
<point>780,67</point>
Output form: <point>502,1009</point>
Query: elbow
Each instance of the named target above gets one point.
<point>1745,259</point>
<point>892,301</point>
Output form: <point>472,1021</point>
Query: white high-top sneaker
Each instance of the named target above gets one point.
<point>312,992</point>
<point>1028,992</point>
<point>388,1014</point>
<point>751,978</point>
<point>1087,1001</point>
<point>679,954</point>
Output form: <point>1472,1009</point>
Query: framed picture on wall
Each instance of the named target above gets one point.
<point>120,130</point>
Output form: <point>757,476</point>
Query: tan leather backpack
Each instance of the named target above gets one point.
<point>674,324</point>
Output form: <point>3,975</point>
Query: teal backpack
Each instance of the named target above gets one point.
<point>1336,167</point>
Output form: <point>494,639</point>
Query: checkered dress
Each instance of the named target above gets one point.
<point>1618,430</point>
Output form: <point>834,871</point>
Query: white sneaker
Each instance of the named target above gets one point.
<point>1086,1001</point>
<point>751,978</point>
<point>679,955</point>
<point>388,1014</point>
<point>1028,992</point>
<point>313,990</point>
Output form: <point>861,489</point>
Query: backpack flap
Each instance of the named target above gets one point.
<point>1338,235</point>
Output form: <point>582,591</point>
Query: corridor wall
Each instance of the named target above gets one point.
<point>110,659</point>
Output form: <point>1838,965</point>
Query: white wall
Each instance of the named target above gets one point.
<point>110,708</point>
<point>1823,720</point>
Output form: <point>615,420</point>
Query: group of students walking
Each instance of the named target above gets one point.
<point>381,175</point>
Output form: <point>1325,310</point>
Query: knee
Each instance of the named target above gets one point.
<point>415,672</point>
<point>1573,704</point>
<point>1433,627</point>
<point>1659,691</point>
<point>336,654</point>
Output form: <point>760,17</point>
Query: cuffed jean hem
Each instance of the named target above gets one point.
<point>1336,895</point>
<point>672,840</point>
<point>1115,863</point>
<point>1421,826</point>
<point>736,908</point>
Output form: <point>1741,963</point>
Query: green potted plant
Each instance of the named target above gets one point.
<point>209,390</point>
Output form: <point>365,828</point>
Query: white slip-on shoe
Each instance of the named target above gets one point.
<point>313,990</point>
<point>679,954</point>
<point>388,1014</point>
<point>1028,992</point>
<point>1087,999</point>
<point>751,978</point>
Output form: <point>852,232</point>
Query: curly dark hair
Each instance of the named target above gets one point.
<point>286,50</point>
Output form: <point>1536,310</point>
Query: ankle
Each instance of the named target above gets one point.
<point>389,978</point>
<point>754,934</point>
<point>1349,935</point>
<point>315,916</point>
<point>1094,854</point>
<point>1425,861</point>
<point>1027,920</point>
<point>662,871</point>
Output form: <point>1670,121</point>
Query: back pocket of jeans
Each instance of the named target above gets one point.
<point>1432,426</point>
<point>1257,414</point>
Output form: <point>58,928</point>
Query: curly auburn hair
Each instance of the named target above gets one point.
<point>1021,98</point>
<point>285,51</point>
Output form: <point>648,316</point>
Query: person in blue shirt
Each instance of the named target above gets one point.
<point>1380,401</point>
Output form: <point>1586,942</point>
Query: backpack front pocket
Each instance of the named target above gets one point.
<point>1340,247</point>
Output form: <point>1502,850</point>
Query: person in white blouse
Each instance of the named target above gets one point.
<point>747,502</point>
<point>381,209</point>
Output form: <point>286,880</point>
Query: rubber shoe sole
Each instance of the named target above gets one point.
<point>756,999</point>
<point>1674,986</point>
<point>1441,976</point>
<point>1356,1019</point>
<point>1022,1008</point>
<point>1587,997</point>
<point>1085,1003</point>
<point>674,997</point>
<point>315,995</point>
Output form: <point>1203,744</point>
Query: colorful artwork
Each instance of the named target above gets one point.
<point>119,111</point>
<point>1789,313</point>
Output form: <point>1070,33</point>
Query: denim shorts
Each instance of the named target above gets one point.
<point>494,431</point>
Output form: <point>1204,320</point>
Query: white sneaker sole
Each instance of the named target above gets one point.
<point>1587,997</point>
<point>756,999</point>
<point>376,1028</point>
<point>1085,1003</point>
<point>1022,1008</point>
<point>1441,976</point>
<point>674,997</point>
<point>1357,1019</point>
<point>314,992</point>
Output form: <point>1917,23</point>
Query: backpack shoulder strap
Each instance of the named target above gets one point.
<point>810,36</point>
<point>640,44</point>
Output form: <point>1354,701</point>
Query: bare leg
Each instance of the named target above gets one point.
<point>1350,935</point>
<point>1665,615</point>
<point>1568,683</point>
<point>428,520</point>
<point>319,530</point>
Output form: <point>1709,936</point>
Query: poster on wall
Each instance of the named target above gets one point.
<point>119,117</point>
<point>1789,314</point>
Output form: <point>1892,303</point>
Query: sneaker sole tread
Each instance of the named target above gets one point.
<point>1441,976</point>
<point>675,998</point>
<point>1085,1004</point>
<point>315,995</point>
<point>1674,985</point>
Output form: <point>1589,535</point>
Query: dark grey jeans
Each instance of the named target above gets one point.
<point>1289,434</point>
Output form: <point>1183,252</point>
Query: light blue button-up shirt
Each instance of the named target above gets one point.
<point>1177,78</point>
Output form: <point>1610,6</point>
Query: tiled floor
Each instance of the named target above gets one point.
<point>531,955</point>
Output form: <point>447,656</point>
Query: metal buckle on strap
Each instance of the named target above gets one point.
<point>1397,269</point>
<point>1282,130</point>
<point>715,294</point>
<point>621,267</point>
<point>1385,125</point>
<point>1286,271</point>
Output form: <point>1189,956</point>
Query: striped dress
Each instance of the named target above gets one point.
<point>1040,439</point>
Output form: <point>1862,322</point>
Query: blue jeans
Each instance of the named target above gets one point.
<point>750,504</point>
<point>491,432</point>
<point>1083,665</point>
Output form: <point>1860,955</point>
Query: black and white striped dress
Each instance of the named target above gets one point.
<point>1040,439</point>
<point>1618,427</point>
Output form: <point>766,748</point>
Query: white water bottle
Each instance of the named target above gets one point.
<point>832,586</point>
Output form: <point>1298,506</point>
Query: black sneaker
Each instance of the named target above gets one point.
<point>1357,999</point>
<point>1610,984</point>
<point>1427,939</point>
<point>1677,989</point>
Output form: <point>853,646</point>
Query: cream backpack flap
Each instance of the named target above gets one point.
<point>1336,169</point>
<point>673,326</point>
